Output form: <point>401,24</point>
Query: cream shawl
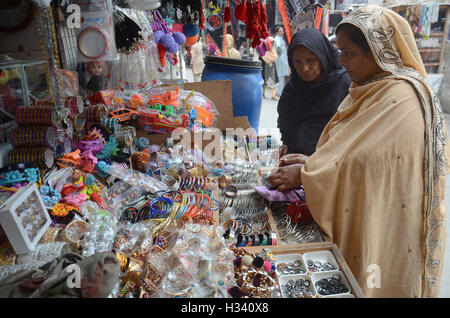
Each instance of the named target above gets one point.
<point>376,182</point>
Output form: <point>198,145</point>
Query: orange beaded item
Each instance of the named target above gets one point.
<point>62,209</point>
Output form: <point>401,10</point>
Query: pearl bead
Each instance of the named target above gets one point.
<point>247,260</point>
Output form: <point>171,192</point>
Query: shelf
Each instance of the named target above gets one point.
<point>431,64</point>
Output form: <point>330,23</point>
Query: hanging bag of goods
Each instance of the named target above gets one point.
<point>33,136</point>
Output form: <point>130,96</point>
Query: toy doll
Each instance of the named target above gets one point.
<point>97,81</point>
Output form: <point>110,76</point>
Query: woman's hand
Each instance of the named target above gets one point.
<point>282,151</point>
<point>287,177</point>
<point>292,159</point>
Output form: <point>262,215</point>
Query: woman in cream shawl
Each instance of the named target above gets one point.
<point>376,182</point>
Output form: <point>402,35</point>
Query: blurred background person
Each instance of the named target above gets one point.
<point>269,71</point>
<point>197,64</point>
<point>281,63</point>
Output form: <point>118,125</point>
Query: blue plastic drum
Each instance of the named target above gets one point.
<point>246,83</point>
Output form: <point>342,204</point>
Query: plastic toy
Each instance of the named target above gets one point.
<point>16,176</point>
<point>105,97</point>
<point>136,101</point>
<point>124,114</point>
<point>109,150</point>
<point>152,121</point>
<point>167,98</point>
<point>166,110</point>
<point>70,159</point>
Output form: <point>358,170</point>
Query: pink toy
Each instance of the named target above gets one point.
<point>75,199</point>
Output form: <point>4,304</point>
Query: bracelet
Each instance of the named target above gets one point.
<point>230,191</point>
<point>224,181</point>
<point>251,240</point>
<point>264,240</point>
<point>166,208</point>
<point>256,240</point>
<point>274,238</point>
<point>243,242</point>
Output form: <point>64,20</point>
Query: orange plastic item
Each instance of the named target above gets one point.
<point>97,199</point>
<point>70,159</point>
<point>169,98</point>
<point>137,101</point>
<point>105,97</point>
<point>204,116</point>
<point>62,209</point>
<point>124,114</point>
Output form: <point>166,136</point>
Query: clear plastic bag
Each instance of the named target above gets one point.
<point>134,177</point>
<point>102,231</point>
<point>201,107</point>
<point>120,195</point>
<point>130,238</point>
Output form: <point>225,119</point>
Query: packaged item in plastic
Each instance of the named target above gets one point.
<point>130,237</point>
<point>95,37</point>
<point>120,195</point>
<point>102,230</point>
<point>133,177</point>
<point>201,107</point>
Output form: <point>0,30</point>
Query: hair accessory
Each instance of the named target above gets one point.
<point>49,195</point>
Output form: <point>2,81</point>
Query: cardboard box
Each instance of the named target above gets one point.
<point>219,92</point>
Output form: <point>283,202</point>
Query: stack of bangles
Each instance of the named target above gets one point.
<point>195,206</point>
<point>184,205</point>
<point>197,183</point>
<point>262,239</point>
<point>240,232</point>
<point>160,207</point>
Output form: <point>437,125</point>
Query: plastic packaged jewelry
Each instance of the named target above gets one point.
<point>130,237</point>
<point>133,177</point>
<point>103,228</point>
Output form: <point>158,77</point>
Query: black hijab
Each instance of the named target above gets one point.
<point>306,107</point>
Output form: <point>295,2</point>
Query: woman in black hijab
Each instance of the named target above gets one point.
<point>316,87</point>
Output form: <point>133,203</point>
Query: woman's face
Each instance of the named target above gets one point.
<point>360,66</point>
<point>307,64</point>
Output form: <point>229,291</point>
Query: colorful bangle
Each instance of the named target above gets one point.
<point>274,238</point>
<point>166,208</point>
<point>264,240</point>
<point>230,191</point>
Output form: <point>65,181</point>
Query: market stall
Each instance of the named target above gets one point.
<point>112,167</point>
